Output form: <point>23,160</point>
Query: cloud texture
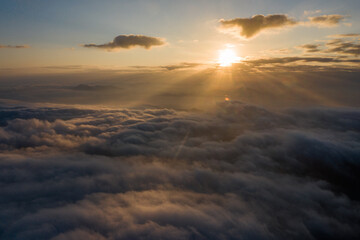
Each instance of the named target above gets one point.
<point>129,41</point>
<point>241,171</point>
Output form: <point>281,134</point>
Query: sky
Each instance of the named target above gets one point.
<point>55,31</point>
<point>179,119</point>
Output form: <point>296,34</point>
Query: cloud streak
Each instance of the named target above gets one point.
<point>184,65</point>
<point>14,46</point>
<point>128,42</point>
<point>346,35</point>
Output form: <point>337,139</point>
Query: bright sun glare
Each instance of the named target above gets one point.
<point>227,57</point>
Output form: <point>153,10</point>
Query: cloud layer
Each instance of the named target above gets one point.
<point>129,41</point>
<point>241,171</point>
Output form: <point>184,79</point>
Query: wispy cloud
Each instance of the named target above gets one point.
<point>310,47</point>
<point>327,20</point>
<point>184,65</point>
<point>341,46</point>
<point>346,35</point>
<point>344,45</point>
<point>15,46</point>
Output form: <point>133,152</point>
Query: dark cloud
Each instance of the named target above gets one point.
<point>241,171</point>
<point>311,47</point>
<point>14,46</point>
<point>129,41</point>
<point>327,20</point>
<point>249,27</point>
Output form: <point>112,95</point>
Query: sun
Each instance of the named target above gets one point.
<point>227,57</point>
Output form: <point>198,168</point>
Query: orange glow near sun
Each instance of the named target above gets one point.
<point>227,57</point>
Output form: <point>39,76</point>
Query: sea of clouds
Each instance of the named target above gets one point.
<point>238,172</point>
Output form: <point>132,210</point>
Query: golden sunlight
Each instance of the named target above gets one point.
<point>227,57</point>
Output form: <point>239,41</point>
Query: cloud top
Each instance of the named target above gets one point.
<point>129,41</point>
<point>240,172</point>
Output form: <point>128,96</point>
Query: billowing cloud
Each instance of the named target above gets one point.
<point>241,171</point>
<point>129,41</point>
<point>249,27</point>
<point>14,46</point>
<point>327,20</point>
